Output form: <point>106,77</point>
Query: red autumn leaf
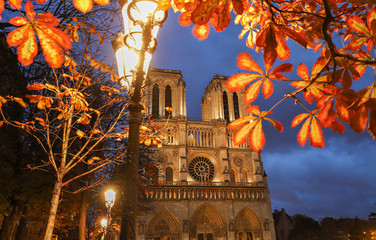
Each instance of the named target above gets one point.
<point>201,31</point>
<point>372,124</point>
<point>203,12</point>
<point>221,17</point>
<point>294,35</point>
<point>283,51</point>
<point>327,114</point>
<point>238,6</point>
<point>52,40</point>
<point>337,127</point>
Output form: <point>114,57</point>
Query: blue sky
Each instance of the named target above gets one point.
<point>338,180</point>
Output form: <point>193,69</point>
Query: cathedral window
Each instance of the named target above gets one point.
<point>225,107</point>
<point>169,174</point>
<point>236,104</point>
<point>201,169</point>
<point>155,102</point>
<point>168,100</point>
<point>232,176</point>
<point>243,176</point>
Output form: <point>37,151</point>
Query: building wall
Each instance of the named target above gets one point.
<point>218,191</point>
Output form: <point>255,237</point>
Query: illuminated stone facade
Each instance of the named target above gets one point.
<point>209,189</point>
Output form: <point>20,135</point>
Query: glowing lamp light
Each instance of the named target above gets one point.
<point>104,223</point>
<point>139,16</point>
<point>109,197</point>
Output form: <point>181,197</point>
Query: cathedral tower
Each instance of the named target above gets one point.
<point>208,189</point>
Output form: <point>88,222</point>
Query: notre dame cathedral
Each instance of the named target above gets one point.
<point>208,189</point>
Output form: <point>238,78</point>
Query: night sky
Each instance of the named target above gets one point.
<point>336,181</point>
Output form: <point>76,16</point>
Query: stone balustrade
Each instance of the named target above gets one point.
<point>205,193</point>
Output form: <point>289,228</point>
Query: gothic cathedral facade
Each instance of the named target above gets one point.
<point>208,189</point>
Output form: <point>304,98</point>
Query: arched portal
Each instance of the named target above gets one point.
<point>248,225</point>
<point>163,225</point>
<point>207,223</point>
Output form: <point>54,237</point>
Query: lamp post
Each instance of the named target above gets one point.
<point>134,49</point>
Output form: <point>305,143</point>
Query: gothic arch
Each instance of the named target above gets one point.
<point>155,101</point>
<point>248,225</point>
<point>236,173</point>
<point>207,220</point>
<point>245,174</point>
<point>163,224</point>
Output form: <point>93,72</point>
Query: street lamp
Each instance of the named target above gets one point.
<point>104,226</point>
<point>134,49</point>
<point>109,197</point>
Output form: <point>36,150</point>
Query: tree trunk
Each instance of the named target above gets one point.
<point>53,209</point>
<point>11,222</point>
<point>83,215</point>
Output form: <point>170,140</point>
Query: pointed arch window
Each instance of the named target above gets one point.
<point>155,102</point>
<point>168,99</point>
<point>169,174</point>
<point>225,107</point>
<point>236,105</point>
<point>232,176</point>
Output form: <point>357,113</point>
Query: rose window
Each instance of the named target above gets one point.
<point>201,169</point>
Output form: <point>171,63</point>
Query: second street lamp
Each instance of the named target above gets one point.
<point>134,49</point>
<point>109,197</point>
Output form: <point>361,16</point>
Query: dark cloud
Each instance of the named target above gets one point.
<point>338,180</point>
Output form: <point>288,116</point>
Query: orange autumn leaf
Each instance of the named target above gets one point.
<point>42,102</point>
<point>36,86</point>
<point>42,122</point>
<point>93,159</point>
<point>52,40</point>
<point>201,31</point>
<point>314,90</point>
<point>18,100</point>
<point>164,5</point>
<point>310,128</point>
<point>84,119</point>
<point>251,127</point>
<point>14,4</point>
<point>264,79</point>
<point>86,5</point>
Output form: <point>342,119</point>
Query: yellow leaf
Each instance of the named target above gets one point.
<point>91,160</point>
<point>147,141</point>
<point>80,134</point>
